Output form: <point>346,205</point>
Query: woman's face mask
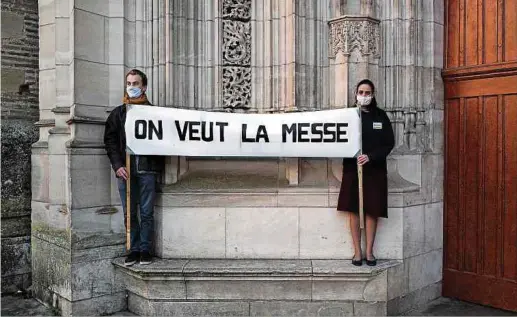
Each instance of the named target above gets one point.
<point>364,100</point>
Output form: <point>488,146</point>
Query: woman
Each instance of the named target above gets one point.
<point>377,143</point>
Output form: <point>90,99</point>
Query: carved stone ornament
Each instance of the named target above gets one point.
<point>236,43</point>
<point>355,33</point>
<point>236,54</point>
<point>237,9</point>
<point>236,87</point>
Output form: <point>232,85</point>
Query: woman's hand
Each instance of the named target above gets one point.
<point>363,159</point>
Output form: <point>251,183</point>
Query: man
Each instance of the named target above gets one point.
<point>144,170</point>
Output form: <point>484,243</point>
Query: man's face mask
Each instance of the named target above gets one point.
<point>133,92</point>
<point>364,100</point>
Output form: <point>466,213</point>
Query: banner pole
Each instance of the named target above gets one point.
<point>360,175</point>
<point>128,202</point>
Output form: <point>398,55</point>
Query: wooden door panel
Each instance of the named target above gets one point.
<point>480,32</point>
<point>480,219</point>
<point>485,290</point>
<point>510,34</point>
<point>510,185</point>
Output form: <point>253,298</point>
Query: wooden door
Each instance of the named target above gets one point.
<point>480,218</point>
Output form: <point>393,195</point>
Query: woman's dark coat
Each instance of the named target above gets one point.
<point>377,143</point>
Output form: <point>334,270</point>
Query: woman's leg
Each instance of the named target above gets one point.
<point>356,235</point>
<point>371,229</point>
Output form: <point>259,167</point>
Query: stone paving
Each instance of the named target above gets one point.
<point>22,305</point>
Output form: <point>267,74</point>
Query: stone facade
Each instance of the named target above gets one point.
<point>248,56</point>
<point>19,113</point>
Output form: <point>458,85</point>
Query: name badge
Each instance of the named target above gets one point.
<point>377,125</point>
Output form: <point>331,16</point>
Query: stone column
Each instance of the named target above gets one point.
<point>355,44</point>
<point>77,222</point>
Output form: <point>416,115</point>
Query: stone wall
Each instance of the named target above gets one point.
<point>19,113</point>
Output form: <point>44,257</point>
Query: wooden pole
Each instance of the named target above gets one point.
<point>360,176</point>
<point>361,210</point>
<point>128,202</point>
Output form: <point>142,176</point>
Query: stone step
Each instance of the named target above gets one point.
<point>240,287</point>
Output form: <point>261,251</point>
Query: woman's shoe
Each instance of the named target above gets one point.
<point>357,262</point>
<point>371,262</point>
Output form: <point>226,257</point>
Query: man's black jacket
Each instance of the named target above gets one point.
<point>115,142</point>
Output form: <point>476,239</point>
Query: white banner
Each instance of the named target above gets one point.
<point>170,131</point>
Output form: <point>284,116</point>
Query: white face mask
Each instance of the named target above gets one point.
<point>364,100</point>
<point>133,92</point>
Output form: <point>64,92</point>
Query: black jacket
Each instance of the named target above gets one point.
<point>378,139</point>
<point>115,143</point>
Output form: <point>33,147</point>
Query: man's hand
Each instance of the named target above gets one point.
<point>121,172</point>
<point>363,159</point>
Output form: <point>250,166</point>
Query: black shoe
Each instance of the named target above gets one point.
<point>132,258</point>
<point>357,262</point>
<point>145,258</point>
<point>371,262</point>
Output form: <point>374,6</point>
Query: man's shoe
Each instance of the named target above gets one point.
<point>145,258</point>
<point>132,258</point>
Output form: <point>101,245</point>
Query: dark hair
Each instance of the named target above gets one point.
<point>369,83</point>
<point>135,71</point>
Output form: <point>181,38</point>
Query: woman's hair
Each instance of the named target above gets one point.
<point>369,83</point>
<point>139,73</point>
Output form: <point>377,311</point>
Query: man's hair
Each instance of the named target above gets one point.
<point>139,73</point>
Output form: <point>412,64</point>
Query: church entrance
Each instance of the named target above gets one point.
<point>480,218</point>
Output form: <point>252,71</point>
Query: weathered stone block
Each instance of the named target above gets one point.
<point>303,199</point>
<point>92,279</point>
<point>370,309</point>
<point>15,283</point>
<point>143,307</point>
<point>90,77</point>
<point>16,226</point>
<point>324,233</point>
<point>98,306</point>
<point>89,186</point>
<point>16,256</point>
<point>295,308</point>
<point>50,223</point>
<point>17,137</point>
<point>12,27</point>
<point>250,232</point>
<point>47,46</point>
<point>12,78</point>
<point>178,239</point>
<point>40,177</point>
<point>100,253</point>
<point>425,269</point>
<point>398,280</point>
<point>47,91</point>
<point>46,12</point>
<point>97,7</point>
<point>414,231</point>
<point>218,200</point>
<point>51,267</point>
<point>323,289</point>
<point>389,244</point>
<point>170,288</point>
<point>91,219</point>
<point>247,267</point>
<point>372,288</point>
<point>414,299</point>
<point>249,288</point>
<point>87,23</point>
<point>433,226</point>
